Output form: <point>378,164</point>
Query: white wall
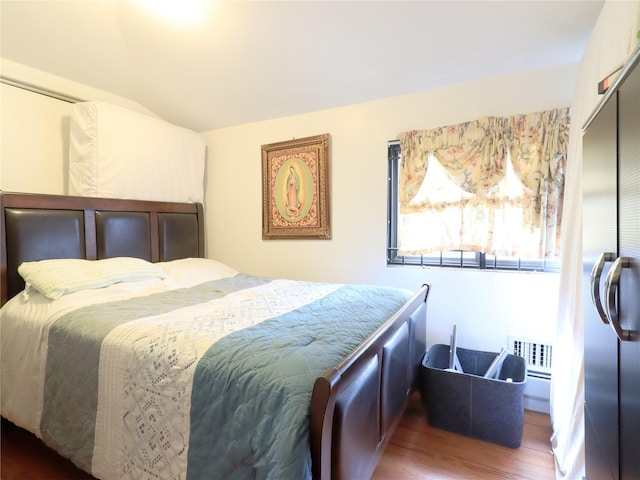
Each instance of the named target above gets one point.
<point>487,306</point>
<point>34,146</point>
<point>34,129</point>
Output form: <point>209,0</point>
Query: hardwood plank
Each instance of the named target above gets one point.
<point>420,451</point>
<point>25,457</point>
<point>416,451</point>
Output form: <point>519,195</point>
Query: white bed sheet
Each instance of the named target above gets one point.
<point>26,319</point>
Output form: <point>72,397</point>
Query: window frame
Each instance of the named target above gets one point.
<point>461,259</point>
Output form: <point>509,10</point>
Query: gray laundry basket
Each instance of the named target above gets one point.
<point>490,409</point>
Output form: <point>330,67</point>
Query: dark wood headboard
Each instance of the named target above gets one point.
<point>36,227</point>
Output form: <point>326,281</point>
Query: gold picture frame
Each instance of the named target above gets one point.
<point>295,189</point>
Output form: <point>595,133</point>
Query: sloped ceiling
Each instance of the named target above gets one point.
<point>245,61</point>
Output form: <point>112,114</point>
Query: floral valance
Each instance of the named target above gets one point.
<point>474,156</point>
<point>474,152</point>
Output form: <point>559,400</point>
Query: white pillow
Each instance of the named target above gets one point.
<point>194,271</point>
<point>54,278</point>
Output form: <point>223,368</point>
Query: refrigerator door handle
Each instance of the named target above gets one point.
<point>596,274</point>
<point>611,284</point>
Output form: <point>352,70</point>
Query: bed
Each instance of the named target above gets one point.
<point>128,380</point>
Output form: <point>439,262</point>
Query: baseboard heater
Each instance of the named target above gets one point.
<point>539,358</point>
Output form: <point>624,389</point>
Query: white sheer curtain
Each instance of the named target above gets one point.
<point>613,40</point>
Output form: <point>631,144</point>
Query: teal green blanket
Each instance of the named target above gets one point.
<point>181,407</point>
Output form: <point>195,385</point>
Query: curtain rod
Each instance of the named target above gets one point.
<point>39,90</point>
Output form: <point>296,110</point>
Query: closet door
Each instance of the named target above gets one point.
<point>629,286</point>
<point>600,345</point>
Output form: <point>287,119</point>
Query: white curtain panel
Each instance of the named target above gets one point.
<point>613,40</point>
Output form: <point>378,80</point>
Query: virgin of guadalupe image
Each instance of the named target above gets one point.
<point>292,198</point>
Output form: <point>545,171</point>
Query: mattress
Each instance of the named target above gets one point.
<point>118,153</point>
<point>204,373</point>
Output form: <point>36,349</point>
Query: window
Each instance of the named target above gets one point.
<point>440,189</point>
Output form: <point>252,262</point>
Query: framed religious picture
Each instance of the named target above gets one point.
<point>295,189</point>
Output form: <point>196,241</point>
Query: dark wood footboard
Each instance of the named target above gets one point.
<point>356,405</point>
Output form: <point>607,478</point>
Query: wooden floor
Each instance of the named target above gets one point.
<point>416,451</point>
